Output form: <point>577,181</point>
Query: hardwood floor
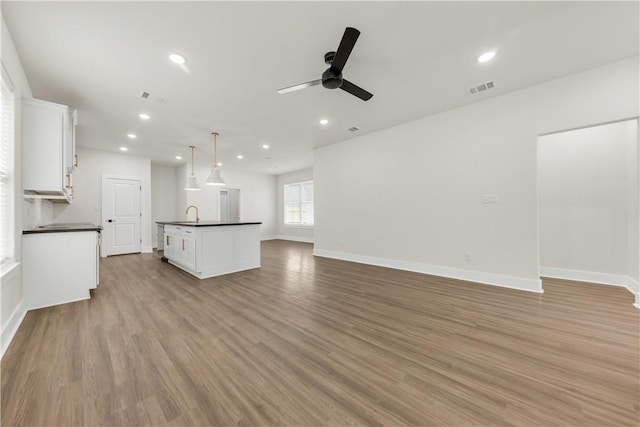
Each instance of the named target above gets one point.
<point>307,341</point>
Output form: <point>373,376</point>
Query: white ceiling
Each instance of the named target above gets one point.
<point>417,58</point>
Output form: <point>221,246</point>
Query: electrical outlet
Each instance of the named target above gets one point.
<point>467,256</point>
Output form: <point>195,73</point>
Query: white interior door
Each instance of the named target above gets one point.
<point>121,216</point>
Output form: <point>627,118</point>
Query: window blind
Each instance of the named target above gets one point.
<point>7,124</point>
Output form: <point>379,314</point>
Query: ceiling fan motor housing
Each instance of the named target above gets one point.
<point>332,78</point>
<point>328,57</point>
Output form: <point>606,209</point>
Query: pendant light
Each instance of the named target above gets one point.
<point>192,184</point>
<point>215,177</point>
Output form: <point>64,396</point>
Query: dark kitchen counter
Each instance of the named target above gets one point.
<point>64,228</point>
<point>208,223</point>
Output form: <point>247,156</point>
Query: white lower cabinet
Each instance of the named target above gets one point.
<point>189,249</point>
<point>171,239</point>
<point>59,267</point>
<point>175,249</point>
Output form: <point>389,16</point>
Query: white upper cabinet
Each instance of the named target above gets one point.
<point>48,150</point>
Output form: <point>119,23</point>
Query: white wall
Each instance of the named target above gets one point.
<point>257,197</point>
<point>181,181</point>
<point>87,181</point>
<point>12,308</point>
<point>587,200</point>
<point>164,197</point>
<point>288,232</point>
<point>411,196</point>
<point>634,215</point>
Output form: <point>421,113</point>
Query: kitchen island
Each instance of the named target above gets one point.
<point>212,248</point>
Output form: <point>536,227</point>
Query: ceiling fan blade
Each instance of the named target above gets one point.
<point>347,86</point>
<point>300,86</point>
<point>346,46</point>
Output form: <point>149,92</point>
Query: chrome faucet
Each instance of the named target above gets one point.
<point>196,208</point>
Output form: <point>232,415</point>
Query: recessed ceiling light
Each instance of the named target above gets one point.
<point>219,164</point>
<point>265,146</point>
<point>132,135</point>
<point>144,116</point>
<point>324,122</point>
<point>487,56</point>
<point>240,156</point>
<point>124,149</point>
<point>178,59</point>
<point>178,157</point>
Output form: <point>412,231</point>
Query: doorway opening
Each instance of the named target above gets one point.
<point>589,205</point>
<point>229,204</point>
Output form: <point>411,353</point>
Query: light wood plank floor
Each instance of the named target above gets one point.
<point>307,341</point>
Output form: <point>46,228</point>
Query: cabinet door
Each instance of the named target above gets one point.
<point>189,249</point>
<point>170,244</point>
<point>43,131</point>
<point>70,141</point>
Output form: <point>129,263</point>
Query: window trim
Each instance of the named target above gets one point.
<point>301,202</point>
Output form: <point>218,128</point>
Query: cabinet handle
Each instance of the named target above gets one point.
<point>75,160</point>
<point>183,244</point>
<point>68,181</point>
<point>167,240</point>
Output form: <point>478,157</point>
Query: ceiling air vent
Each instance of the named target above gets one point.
<point>481,87</point>
<point>353,129</point>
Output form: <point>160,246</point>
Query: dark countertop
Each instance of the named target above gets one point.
<point>208,223</point>
<point>64,228</point>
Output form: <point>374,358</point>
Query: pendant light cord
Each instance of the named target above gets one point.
<point>192,148</point>
<point>215,149</point>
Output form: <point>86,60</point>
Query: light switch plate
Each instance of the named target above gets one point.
<point>490,199</point>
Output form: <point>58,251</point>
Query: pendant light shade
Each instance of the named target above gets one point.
<point>192,183</point>
<point>215,177</point>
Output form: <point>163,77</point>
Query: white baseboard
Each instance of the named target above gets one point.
<point>295,238</point>
<point>595,277</point>
<point>519,283</point>
<point>10,329</point>
<point>584,276</point>
<point>633,284</point>
<point>62,302</point>
<point>147,249</point>
<point>269,237</point>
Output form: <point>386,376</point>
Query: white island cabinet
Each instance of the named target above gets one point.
<point>212,248</point>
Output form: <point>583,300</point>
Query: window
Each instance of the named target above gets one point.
<point>298,203</point>
<point>7,142</point>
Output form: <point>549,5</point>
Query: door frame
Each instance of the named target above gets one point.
<point>631,287</point>
<point>220,190</point>
<point>105,236</point>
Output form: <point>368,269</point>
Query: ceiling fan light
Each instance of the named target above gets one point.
<point>215,177</point>
<point>192,183</point>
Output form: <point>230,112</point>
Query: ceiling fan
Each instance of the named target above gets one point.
<point>332,77</point>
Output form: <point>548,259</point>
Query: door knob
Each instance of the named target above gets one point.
<point>110,220</point>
